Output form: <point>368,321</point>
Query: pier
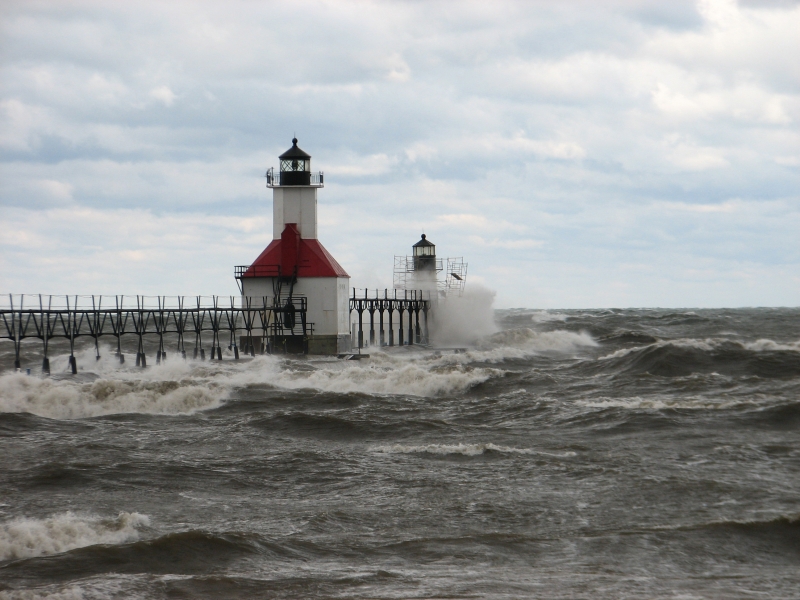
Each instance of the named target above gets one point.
<point>260,325</point>
<point>387,305</point>
<point>266,325</point>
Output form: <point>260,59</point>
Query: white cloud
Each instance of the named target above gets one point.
<point>563,152</point>
<point>788,161</point>
<point>375,164</point>
<point>58,190</point>
<point>507,244</point>
<point>163,94</point>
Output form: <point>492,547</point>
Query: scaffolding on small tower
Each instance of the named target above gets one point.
<point>414,272</point>
<point>455,276</point>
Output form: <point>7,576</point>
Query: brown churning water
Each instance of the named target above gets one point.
<point>596,453</point>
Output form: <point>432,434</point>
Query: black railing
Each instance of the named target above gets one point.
<point>256,271</point>
<point>282,178</point>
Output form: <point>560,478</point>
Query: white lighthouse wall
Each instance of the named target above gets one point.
<point>294,205</point>
<point>257,288</point>
<point>328,300</point>
<point>328,303</point>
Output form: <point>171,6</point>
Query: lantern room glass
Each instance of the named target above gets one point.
<point>296,164</point>
<point>425,251</point>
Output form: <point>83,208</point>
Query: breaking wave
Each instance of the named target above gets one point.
<point>543,316</point>
<point>65,399</point>
<point>681,357</point>
<point>409,379</point>
<point>539,341</point>
<point>27,538</point>
<point>524,343</point>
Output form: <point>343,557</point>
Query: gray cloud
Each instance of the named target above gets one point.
<point>589,150</point>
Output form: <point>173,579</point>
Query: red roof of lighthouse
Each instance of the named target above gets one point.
<point>308,255</point>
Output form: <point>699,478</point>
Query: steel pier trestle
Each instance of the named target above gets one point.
<point>71,317</point>
<point>412,303</point>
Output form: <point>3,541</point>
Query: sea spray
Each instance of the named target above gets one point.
<point>460,320</point>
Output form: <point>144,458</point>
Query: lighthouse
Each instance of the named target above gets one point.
<point>421,271</point>
<point>295,268</point>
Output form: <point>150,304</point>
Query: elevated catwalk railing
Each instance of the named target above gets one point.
<point>387,305</point>
<point>72,317</point>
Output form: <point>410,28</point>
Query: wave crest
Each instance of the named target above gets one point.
<point>540,341</point>
<point>27,538</point>
<point>411,379</point>
<point>64,399</point>
<point>685,356</point>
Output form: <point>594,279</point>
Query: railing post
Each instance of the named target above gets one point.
<point>400,323</point>
<point>390,304</point>
<point>381,308</point>
<point>425,316</point>
<point>360,326</point>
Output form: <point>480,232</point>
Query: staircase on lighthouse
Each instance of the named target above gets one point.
<point>295,266</point>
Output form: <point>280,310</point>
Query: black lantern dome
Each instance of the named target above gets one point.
<point>295,166</point>
<point>424,255</point>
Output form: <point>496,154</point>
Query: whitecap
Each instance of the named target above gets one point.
<point>66,399</point>
<point>414,379</point>
<point>543,316</point>
<point>765,345</point>
<point>684,402</point>
<point>709,345</point>
<point>26,538</point>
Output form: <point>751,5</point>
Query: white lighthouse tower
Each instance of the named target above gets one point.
<point>295,265</point>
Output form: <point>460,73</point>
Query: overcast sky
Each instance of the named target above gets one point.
<point>577,153</point>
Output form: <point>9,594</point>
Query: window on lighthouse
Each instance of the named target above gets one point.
<point>296,164</point>
<point>425,251</point>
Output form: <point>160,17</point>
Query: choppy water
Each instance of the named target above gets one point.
<point>597,454</point>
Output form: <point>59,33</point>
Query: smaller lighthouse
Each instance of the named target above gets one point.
<point>420,271</point>
<point>295,267</point>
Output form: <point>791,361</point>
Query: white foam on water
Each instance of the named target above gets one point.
<point>765,345</point>
<point>66,399</point>
<point>72,592</point>
<point>26,538</point>
<point>523,343</point>
<point>414,379</point>
<point>464,449</point>
<point>184,387</point>
<point>540,341</point>
<point>414,373</point>
<point>543,316</point>
<point>92,588</point>
<point>709,345</point>
<point>685,402</point>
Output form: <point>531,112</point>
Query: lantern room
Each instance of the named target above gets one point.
<point>295,170</point>
<point>424,255</point>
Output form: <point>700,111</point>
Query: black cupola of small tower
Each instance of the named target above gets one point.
<point>424,255</point>
<point>295,166</point>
